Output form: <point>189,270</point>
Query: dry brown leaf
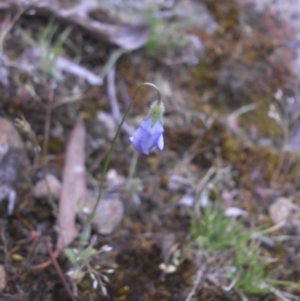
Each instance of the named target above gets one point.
<point>127,36</point>
<point>2,278</point>
<point>16,297</point>
<point>73,186</point>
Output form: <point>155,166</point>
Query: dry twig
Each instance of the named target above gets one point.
<point>111,89</point>
<point>58,270</point>
<point>198,279</point>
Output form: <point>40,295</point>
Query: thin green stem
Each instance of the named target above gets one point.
<point>92,215</point>
<point>112,61</point>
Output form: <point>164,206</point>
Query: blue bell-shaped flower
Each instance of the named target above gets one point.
<point>150,133</point>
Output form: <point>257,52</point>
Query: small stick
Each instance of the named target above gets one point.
<point>7,259</point>
<point>132,168</point>
<point>47,128</point>
<point>10,26</point>
<point>196,284</point>
<point>59,271</point>
<point>46,263</point>
<point>112,96</point>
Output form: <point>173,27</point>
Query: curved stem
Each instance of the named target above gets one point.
<point>92,215</point>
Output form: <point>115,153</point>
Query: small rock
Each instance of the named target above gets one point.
<point>12,137</point>
<point>177,182</point>
<point>109,215</point>
<point>282,210</point>
<point>49,186</point>
<point>109,124</point>
<point>113,179</point>
<point>13,162</point>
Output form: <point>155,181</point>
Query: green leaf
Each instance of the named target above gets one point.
<point>72,257</point>
<point>87,254</point>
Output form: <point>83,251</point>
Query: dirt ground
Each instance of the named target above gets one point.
<point>228,75</point>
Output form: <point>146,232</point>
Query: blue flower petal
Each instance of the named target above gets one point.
<point>148,137</point>
<point>160,144</point>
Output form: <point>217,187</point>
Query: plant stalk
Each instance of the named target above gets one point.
<point>101,186</point>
